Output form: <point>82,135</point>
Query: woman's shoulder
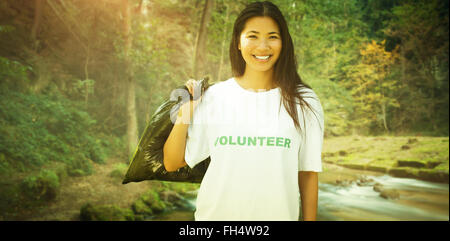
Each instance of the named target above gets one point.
<point>310,97</point>
<point>217,88</point>
<point>308,94</point>
<point>306,91</point>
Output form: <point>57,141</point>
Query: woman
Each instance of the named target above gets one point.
<point>264,155</point>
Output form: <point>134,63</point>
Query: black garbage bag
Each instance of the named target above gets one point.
<point>147,161</point>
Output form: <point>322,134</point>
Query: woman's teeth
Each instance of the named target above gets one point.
<point>262,57</point>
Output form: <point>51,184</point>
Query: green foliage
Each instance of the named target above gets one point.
<point>141,208</point>
<point>89,212</point>
<point>148,204</point>
<point>337,106</point>
<point>83,87</point>
<point>91,70</point>
<point>13,74</point>
<point>179,187</point>
<point>152,200</point>
<point>42,187</point>
<point>325,34</point>
<point>6,28</point>
<point>119,171</point>
<point>40,128</point>
<point>422,27</point>
<point>372,87</point>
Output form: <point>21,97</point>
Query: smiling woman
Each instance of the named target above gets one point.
<point>257,171</point>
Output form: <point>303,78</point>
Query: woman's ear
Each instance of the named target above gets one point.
<point>239,46</point>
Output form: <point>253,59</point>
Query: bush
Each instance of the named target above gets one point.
<point>79,167</point>
<point>141,208</point>
<point>36,129</point>
<point>119,171</point>
<point>88,212</point>
<point>337,106</point>
<point>45,186</point>
<point>151,198</point>
<point>12,73</point>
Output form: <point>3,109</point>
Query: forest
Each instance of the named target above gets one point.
<point>80,80</point>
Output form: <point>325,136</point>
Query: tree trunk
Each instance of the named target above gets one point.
<point>383,110</point>
<point>132,137</point>
<point>86,76</point>
<point>334,47</point>
<point>200,46</point>
<point>224,37</point>
<point>36,22</point>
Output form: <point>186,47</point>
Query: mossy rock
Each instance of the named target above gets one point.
<point>328,161</point>
<point>408,163</point>
<point>433,176</point>
<point>89,212</point>
<point>181,187</point>
<point>377,169</point>
<point>378,187</point>
<point>79,168</point>
<point>405,147</point>
<point>140,207</point>
<point>119,171</point>
<point>328,154</point>
<point>44,187</point>
<point>116,174</point>
<point>433,164</point>
<point>60,169</point>
<point>152,200</point>
<point>401,172</point>
<point>412,140</point>
<point>379,139</point>
<point>354,166</point>
<point>390,194</point>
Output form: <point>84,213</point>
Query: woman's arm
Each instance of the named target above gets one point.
<point>175,145</point>
<point>308,183</point>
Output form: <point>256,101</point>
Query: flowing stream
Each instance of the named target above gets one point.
<point>418,200</point>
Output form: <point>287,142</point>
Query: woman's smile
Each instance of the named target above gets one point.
<point>262,58</point>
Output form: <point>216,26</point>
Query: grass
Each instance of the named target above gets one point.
<point>424,158</point>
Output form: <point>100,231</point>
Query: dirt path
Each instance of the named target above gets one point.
<point>98,189</point>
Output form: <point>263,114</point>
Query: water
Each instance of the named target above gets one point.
<point>419,200</point>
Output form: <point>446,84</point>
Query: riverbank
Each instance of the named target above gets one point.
<point>102,191</point>
<point>423,158</point>
<point>99,188</point>
<point>372,157</point>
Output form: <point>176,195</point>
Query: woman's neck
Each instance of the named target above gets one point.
<point>256,80</point>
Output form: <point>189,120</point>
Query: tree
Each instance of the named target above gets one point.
<point>422,28</point>
<point>200,46</point>
<point>372,89</point>
<point>132,137</point>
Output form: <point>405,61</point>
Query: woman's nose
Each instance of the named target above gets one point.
<point>263,45</point>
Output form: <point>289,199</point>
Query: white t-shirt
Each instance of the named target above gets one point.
<point>256,153</point>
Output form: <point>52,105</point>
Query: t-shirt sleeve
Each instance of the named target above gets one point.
<point>310,152</point>
<point>197,144</point>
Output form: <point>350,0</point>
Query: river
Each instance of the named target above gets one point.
<point>418,200</point>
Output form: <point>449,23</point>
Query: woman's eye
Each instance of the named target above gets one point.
<point>273,37</point>
<point>252,36</point>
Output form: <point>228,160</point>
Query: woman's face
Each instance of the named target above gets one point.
<point>260,43</point>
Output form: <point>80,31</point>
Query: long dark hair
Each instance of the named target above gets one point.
<point>285,69</point>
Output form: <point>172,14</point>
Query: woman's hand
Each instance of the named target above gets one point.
<point>186,111</point>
